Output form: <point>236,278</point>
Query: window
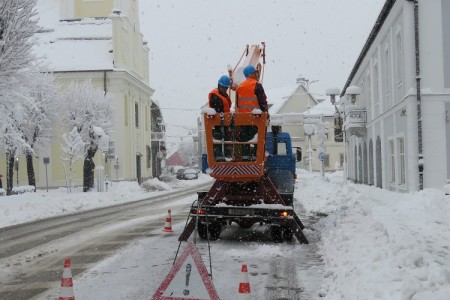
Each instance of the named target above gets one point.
<point>149,156</point>
<point>376,97</point>
<point>366,92</point>
<point>392,161</point>
<point>399,65</point>
<point>387,77</point>
<point>281,149</point>
<point>401,159</point>
<point>136,114</point>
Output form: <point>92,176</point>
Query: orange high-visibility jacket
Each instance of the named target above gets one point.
<point>246,98</point>
<point>225,101</point>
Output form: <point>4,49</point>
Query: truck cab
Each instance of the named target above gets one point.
<point>281,164</point>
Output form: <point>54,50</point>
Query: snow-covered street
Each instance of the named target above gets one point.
<point>372,244</point>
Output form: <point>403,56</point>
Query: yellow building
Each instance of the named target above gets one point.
<point>101,41</point>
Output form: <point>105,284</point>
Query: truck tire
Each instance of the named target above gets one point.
<point>202,230</point>
<point>214,229</point>
<point>277,234</point>
<point>287,234</point>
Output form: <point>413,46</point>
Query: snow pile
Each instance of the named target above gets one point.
<point>155,184</point>
<point>384,245</point>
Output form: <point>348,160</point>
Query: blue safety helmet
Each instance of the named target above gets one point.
<point>248,70</point>
<point>224,81</point>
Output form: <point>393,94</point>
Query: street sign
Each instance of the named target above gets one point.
<point>46,160</point>
<point>321,156</point>
<point>103,143</point>
<point>188,279</point>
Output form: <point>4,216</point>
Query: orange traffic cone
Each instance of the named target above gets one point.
<point>66,292</point>
<point>244,286</point>
<point>168,225</point>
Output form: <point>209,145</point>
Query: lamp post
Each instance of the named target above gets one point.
<point>352,92</point>
<point>308,127</point>
<point>333,92</point>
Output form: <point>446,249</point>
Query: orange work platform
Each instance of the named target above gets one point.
<point>235,144</point>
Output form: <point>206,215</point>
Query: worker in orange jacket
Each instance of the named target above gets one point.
<point>219,100</point>
<point>250,95</point>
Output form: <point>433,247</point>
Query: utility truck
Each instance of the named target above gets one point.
<point>254,179</point>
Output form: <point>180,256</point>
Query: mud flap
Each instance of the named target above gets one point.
<point>296,226</point>
<point>188,229</point>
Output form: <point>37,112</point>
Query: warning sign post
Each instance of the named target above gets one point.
<point>188,279</point>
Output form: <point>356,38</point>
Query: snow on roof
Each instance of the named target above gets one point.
<point>78,55</point>
<point>75,45</point>
<point>323,108</point>
<point>48,11</point>
<point>277,97</point>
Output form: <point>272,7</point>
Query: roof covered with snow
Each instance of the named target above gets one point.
<point>277,97</point>
<point>76,44</point>
<point>323,108</point>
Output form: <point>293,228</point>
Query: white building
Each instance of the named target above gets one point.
<point>403,72</point>
<point>296,99</point>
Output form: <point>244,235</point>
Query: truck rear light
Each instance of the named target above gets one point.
<point>285,213</point>
<point>200,211</point>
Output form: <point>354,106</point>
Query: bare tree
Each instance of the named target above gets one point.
<point>85,108</point>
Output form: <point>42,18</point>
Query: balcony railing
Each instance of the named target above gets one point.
<point>355,121</point>
<point>158,136</point>
<point>356,118</point>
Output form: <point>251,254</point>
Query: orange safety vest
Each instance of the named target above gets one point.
<point>226,103</point>
<point>246,100</point>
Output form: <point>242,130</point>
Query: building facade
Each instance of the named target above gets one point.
<point>403,71</point>
<point>297,100</point>
<point>101,41</point>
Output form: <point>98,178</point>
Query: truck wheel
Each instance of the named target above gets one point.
<point>276,233</point>
<point>287,234</point>
<point>214,230</point>
<point>201,229</point>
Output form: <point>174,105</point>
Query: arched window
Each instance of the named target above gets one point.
<point>365,164</point>
<point>360,165</point>
<point>371,170</point>
<point>356,164</point>
<point>378,164</point>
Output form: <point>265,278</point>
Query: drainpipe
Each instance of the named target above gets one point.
<point>418,92</point>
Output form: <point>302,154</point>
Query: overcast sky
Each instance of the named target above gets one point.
<point>192,42</point>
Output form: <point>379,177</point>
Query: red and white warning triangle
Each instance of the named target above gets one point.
<point>188,279</point>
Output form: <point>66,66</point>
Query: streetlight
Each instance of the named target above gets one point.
<point>333,92</point>
<point>352,92</point>
<point>308,127</point>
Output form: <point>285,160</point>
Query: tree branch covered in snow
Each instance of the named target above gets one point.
<point>87,108</point>
<point>18,24</point>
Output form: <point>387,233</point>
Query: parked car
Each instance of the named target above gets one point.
<point>180,173</point>
<point>187,174</point>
